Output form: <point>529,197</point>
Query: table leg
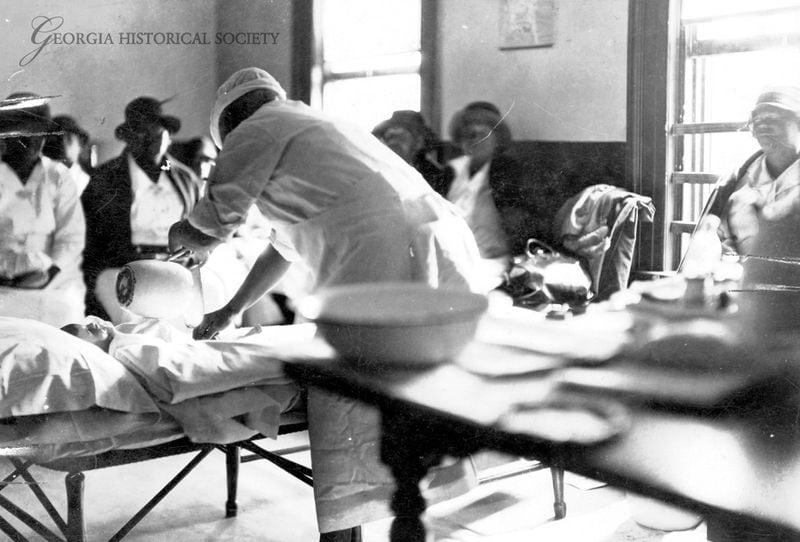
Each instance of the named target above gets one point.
<point>409,463</point>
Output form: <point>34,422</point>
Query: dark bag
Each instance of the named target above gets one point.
<point>544,276</point>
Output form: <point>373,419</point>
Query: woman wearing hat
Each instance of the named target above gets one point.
<point>131,201</point>
<point>767,185</point>
<point>69,147</point>
<point>345,206</point>
<point>486,183</point>
<point>41,221</point>
<point>407,134</point>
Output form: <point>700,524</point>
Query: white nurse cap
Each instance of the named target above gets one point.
<point>237,85</point>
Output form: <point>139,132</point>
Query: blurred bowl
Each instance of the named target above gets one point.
<point>408,324</point>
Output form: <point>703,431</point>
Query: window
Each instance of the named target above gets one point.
<point>368,60</point>
<point>724,53</point>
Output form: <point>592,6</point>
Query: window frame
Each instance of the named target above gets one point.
<point>308,56</point>
<point>658,44</point>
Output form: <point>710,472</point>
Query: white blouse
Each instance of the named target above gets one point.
<point>156,206</point>
<point>473,197</point>
<point>41,221</point>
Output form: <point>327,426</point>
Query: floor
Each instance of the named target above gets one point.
<point>275,507</point>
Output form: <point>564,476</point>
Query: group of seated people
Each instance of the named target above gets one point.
<point>350,214</point>
<point>69,225</point>
<point>487,183</point>
<point>337,200</point>
<point>494,192</point>
<point>129,202</point>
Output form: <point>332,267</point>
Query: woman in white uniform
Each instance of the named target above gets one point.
<point>352,211</point>
<point>42,226</point>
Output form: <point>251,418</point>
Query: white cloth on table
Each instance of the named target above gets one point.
<point>353,211</point>
<point>42,224</point>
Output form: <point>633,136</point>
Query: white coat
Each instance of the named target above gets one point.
<point>352,211</point>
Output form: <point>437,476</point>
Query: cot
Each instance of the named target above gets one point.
<point>67,406</point>
<point>72,528</point>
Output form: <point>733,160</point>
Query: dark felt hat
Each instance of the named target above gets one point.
<point>24,114</point>
<point>142,112</point>
<point>71,126</point>
<point>480,112</point>
<point>411,121</point>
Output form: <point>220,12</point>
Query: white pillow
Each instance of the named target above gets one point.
<point>44,370</point>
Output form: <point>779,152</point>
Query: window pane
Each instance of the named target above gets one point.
<point>399,62</point>
<point>724,88</point>
<point>692,9</point>
<point>716,153</point>
<point>370,100</point>
<point>354,29</point>
<point>719,154</point>
<point>749,25</point>
<point>693,198</point>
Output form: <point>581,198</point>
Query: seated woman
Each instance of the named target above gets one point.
<point>71,148</point>
<point>486,183</point>
<point>409,136</point>
<point>767,185</point>
<point>491,189</point>
<point>41,222</point>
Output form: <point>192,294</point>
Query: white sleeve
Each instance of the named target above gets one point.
<point>244,168</point>
<point>69,236</point>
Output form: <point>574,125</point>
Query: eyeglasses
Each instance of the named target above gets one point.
<point>771,117</point>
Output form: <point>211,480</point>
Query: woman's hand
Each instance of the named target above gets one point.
<point>213,323</point>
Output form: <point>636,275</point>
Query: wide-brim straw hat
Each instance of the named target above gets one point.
<point>26,114</point>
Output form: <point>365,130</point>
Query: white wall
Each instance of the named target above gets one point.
<point>574,90</point>
<point>257,16</point>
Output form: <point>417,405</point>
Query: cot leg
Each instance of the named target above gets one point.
<point>76,528</point>
<point>559,506</point>
<point>232,469</point>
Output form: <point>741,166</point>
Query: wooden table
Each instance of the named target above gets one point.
<point>736,460</point>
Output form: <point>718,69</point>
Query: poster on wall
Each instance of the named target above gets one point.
<point>527,23</point>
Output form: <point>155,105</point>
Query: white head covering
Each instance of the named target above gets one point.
<point>237,85</point>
